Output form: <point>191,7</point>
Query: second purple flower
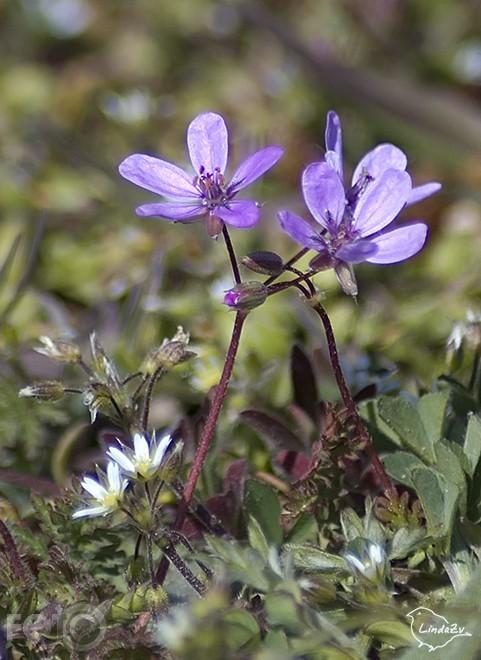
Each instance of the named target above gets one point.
<point>205,194</point>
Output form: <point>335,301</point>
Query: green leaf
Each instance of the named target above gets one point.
<point>439,499</point>
<point>311,558</point>
<point>262,504</point>
<point>281,610</point>
<point>432,410</point>
<point>304,529</point>
<point>447,463</point>
<point>394,633</point>
<point>406,422</point>
<point>472,443</point>
<point>406,540</point>
<point>257,540</point>
<point>352,525</point>
<point>277,641</point>
<point>400,466</point>
<point>241,628</point>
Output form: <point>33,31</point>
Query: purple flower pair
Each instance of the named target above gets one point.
<point>205,194</point>
<point>352,221</point>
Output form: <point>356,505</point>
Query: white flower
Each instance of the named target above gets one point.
<point>107,495</point>
<point>371,564</point>
<point>144,460</point>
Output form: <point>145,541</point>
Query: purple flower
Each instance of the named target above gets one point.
<point>204,194</point>
<point>353,222</point>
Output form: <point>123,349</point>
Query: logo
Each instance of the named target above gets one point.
<point>433,630</point>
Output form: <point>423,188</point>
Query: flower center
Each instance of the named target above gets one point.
<point>110,499</point>
<point>211,186</point>
<point>144,467</point>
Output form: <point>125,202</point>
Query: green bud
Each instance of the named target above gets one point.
<point>47,390</point>
<point>246,296</point>
<point>171,353</point>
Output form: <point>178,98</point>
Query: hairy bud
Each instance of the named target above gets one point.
<point>169,354</point>
<point>57,349</point>
<point>47,390</point>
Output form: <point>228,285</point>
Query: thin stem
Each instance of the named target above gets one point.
<point>150,559</point>
<point>131,377</point>
<point>88,370</point>
<point>213,416</point>
<point>287,265</point>
<point>282,286</point>
<point>156,496</point>
<point>148,493</point>
<point>346,396</point>
<point>137,545</point>
<point>148,397</point>
<point>232,257</point>
<point>305,278</point>
<point>475,371</point>
<point>172,555</point>
<point>207,432</point>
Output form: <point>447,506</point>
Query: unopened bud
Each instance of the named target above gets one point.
<point>57,349</point>
<point>346,278</point>
<point>246,296</point>
<point>263,261</point>
<point>47,390</point>
<point>169,354</point>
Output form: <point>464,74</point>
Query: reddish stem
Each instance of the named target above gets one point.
<point>207,433</point>
<point>376,462</point>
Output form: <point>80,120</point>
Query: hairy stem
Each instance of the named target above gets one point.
<point>207,432</point>
<point>346,396</point>
<point>148,398</point>
<point>231,253</point>
<point>172,555</point>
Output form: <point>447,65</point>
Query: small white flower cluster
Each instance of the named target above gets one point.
<point>141,462</point>
<point>370,564</point>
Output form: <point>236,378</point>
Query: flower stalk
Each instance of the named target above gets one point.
<point>348,401</point>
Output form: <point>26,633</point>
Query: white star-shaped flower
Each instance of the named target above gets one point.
<point>106,492</point>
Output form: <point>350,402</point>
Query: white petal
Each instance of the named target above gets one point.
<point>141,446</point>
<point>161,449</point>
<point>91,512</point>
<point>113,476</point>
<point>376,553</point>
<point>120,458</point>
<point>354,561</point>
<point>93,487</point>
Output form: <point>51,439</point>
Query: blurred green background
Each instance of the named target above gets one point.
<point>85,83</point>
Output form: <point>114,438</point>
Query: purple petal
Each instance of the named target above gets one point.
<point>383,157</point>
<point>207,142</point>
<point>324,194</point>
<point>180,212</point>
<point>398,244</point>
<point>333,138</point>
<point>300,230</point>
<point>423,192</point>
<point>357,251</point>
<point>240,213</point>
<point>158,176</point>
<point>254,167</point>
<point>382,201</point>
